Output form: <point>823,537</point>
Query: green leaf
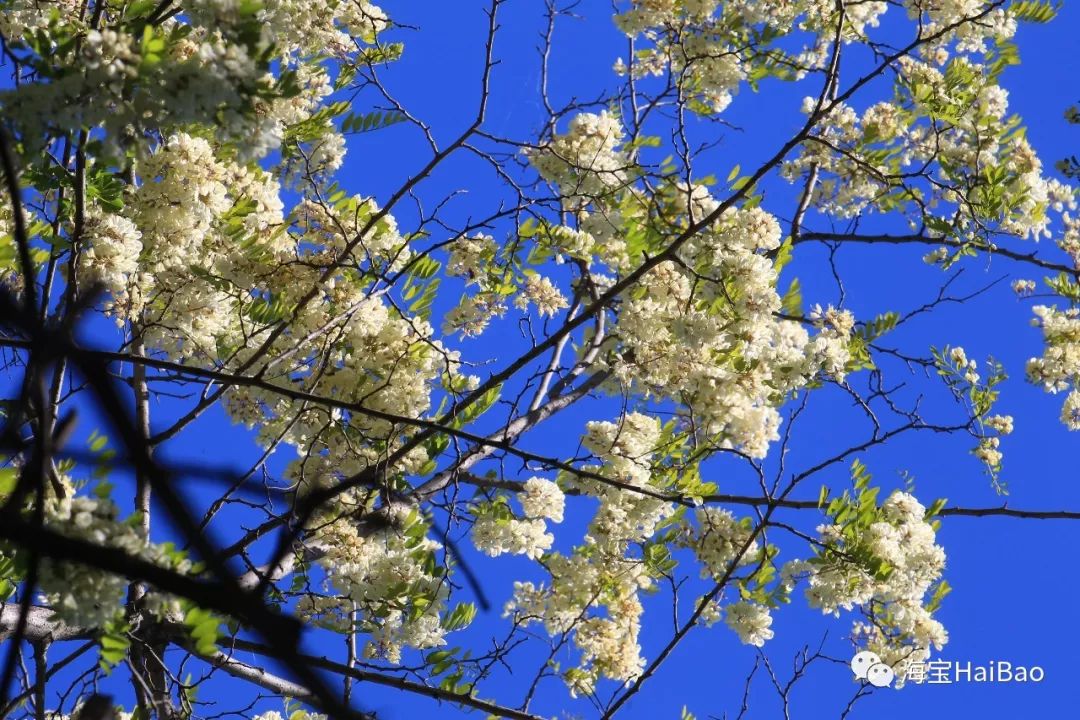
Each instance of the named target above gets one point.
<point>460,617</point>
<point>202,628</point>
<point>791,303</point>
<point>113,643</point>
<point>369,122</point>
<point>1034,11</point>
<point>9,477</point>
<point>935,508</point>
<point>880,325</point>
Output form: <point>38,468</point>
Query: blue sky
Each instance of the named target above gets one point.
<point>1014,584</point>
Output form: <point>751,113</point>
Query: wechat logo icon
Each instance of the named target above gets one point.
<point>868,666</point>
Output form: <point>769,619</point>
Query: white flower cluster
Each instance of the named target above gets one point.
<point>473,313</point>
<point>382,570</point>
<point>543,499</point>
<point>24,17</point>
<point>1023,287</point>
<point>975,23</point>
<point>845,187</point>
<point>307,28</point>
<point>181,213</point>
<point>202,256</point>
<point>645,14</point>
<point>600,573</point>
<point>316,149</point>
<point>964,366</point>
<point>1058,369</point>
<point>694,46</point>
<point>586,162</point>
<point>608,644</point>
<point>540,291</point>
<point>861,158</point>
<point>497,530</point>
<point>219,64</point>
<point>111,256</point>
<point>717,346</point>
<point>470,257</point>
<point>626,450</point>
<point>208,75</point>
<point>829,348</point>
<point>717,539</point>
<point>987,451</point>
<point>750,621</point>
<point>886,568</point>
<point>494,534</point>
<point>121,714</point>
<point>78,594</point>
<point>706,43</point>
<point>1002,424</point>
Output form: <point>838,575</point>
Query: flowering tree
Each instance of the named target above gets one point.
<point>173,243</point>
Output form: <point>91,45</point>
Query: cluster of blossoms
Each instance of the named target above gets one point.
<point>1023,287</point>
<point>183,214</point>
<point>719,540</point>
<point>498,530</point>
<point>214,61</point>
<point>382,569</point>
<point>1058,369</point>
<point>589,578</point>
<point>294,715</point>
<point>167,80</point>
<point>199,257</point>
<point>540,292</point>
<point>714,47</point>
<point>470,257</point>
<point>601,573</point>
<point>987,450</point>
<point>750,621</point>
<point>475,260</point>
<point>111,257</point>
<point>202,256</point>
<point>710,68</point>
<point>586,162</point>
<point>722,543</point>
<point>313,146</point>
<point>865,160</point>
<point>626,450</point>
<point>961,374</point>
<point>324,27</point>
<point>473,313</point>
<point>885,565</point>
<point>718,346</point>
<point>78,594</point>
<point>703,330</point>
<point>964,366</point>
